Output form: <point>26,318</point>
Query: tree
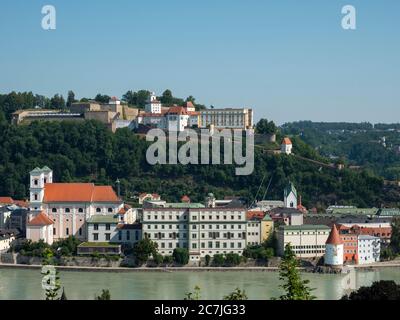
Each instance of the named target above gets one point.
<point>167,97</point>
<point>266,127</point>
<point>144,249</point>
<point>236,295</point>
<point>105,295</point>
<point>137,99</point>
<point>102,98</point>
<point>208,259</point>
<point>218,260</point>
<point>395,237</point>
<point>295,288</point>
<point>181,256</point>
<point>191,99</point>
<point>158,258</point>
<point>70,98</point>
<point>57,102</point>
<point>380,290</point>
<point>193,295</point>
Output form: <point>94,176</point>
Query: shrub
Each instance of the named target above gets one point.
<point>208,259</point>
<point>232,259</point>
<point>168,259</point>
<point>218,260</point>
<point>181,256</point>
<point>158,258</point>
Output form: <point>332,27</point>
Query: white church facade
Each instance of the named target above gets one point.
<point>69,205</point>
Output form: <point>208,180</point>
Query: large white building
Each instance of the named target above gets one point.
<point>307,241</point>
<point>70,205</point>
<point>228,118</point>
<point>202,230</point>
<point>369,249</point>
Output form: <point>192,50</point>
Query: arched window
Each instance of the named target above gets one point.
<point>98,210</point>
<point>291,204</point>
<point>36,196</point>
<point>110,210</point>
<point>67,210</point>
<point>36,182</point>
<point>54,210</point>
<point>80,210</point>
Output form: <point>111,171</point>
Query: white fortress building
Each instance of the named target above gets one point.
<point>178,118</point>
<point>286,146</point>
<point>334,249</point>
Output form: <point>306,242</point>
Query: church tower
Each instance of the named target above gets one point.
<point>290,196</point>
<point>152,104</point>
<point>38,179</point>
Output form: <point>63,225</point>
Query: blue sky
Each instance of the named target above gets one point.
<point>287,59</point>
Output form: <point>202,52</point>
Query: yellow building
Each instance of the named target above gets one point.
<point>267,228</point>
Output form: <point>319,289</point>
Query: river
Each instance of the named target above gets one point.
<point>25,284</point>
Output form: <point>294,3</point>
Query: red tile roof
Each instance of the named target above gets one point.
<point>6,200</point>
<point>176,110</point>
<point>185,198</point>
<point>286,141</point>
<point>334,237</point>
<point>40,220</point>
<point>255,215</point>
<point>78,192</point>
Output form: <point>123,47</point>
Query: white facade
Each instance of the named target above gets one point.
<point>286,148</point>
<point>153,105</point>
<point>5,242</point>
<point>36,233</point>
<point>307,241</point>
<point>227,118</point>
<point>253,233</point>
<point>369,249</point>
<point>38,179</point>
<point>290,196</point>
<point>69,216</point>
<point>334,254</point>
<point>203,231</point>
<point>176,122</point>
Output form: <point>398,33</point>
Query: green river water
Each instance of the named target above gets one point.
<point>26,283</point>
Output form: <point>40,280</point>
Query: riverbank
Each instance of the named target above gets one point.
<point>145,269</point>
<point>192,269</point>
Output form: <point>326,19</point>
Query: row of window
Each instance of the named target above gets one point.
<point>194,226</point>
<point>308,251</point>
<point>107,236</point>
<point>309,246</point>
<point>184,217</point>
<point>217,245</point>
<point>81,210</point>
<point>215,235</point>
<point>67,231</point>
